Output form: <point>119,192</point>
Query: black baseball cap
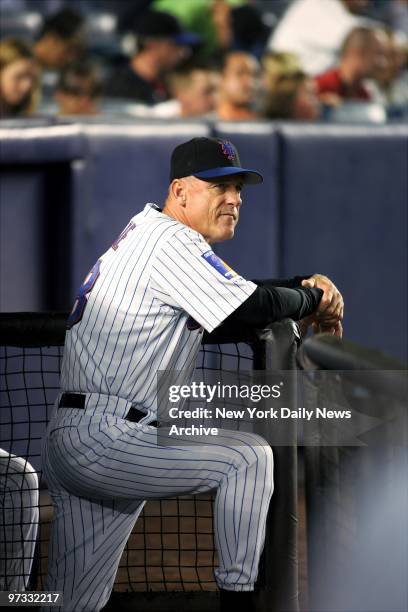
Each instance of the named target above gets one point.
<point>158,24</point>
<point>209,158</point>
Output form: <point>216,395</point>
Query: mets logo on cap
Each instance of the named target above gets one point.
<point>228,149</point>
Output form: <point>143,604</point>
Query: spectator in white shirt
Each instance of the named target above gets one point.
<point>315,29</point>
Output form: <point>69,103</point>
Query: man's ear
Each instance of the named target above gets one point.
<point>178,191</point>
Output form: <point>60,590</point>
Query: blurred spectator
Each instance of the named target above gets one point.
<point>389,85</point>
<point>61,40</point>
<point>127,11</point>
<point>240,80</point>
<point>289,92</point>
<point>161,45</point>
<point>211,19</point>
<point>194,90</point>
<point>249,32</point>
<point>12,6</point>
<point>79,90</point>
<point>315,29</point>
<point>392,13</point>
<point>221,22</point>
<point>47,7</point>
<point>360,56</point>
<point>19,79</point>
<point>399,15</point>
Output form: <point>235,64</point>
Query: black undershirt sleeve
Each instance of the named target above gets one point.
<point>291,283</point>
<point>268,304</point>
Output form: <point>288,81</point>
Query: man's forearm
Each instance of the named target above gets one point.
<point>291,283</point>
<point>268,304</point>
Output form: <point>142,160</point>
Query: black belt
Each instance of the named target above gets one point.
<point>77,400</point>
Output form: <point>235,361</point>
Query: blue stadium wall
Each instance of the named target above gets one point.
<point>334,200</point>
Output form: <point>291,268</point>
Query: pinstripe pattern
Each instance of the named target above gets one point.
<point>18,521</point>
<point>101,468</point>
<point>135,320</point>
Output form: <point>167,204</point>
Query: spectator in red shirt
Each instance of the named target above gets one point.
<point>360,55</point>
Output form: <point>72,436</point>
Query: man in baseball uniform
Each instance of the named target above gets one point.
<point>143,308</point>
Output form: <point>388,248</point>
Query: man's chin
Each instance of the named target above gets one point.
<point>225,235</point>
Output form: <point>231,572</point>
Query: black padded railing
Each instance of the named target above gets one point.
<point>356,494</point>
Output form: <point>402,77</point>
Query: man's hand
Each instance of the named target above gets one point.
<point>335,330</point>
<point>330,312</point>
<point>331,308</point>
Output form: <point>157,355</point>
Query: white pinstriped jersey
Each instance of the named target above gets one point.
<point>144,308</point>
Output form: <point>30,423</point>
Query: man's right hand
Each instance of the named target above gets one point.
<point>331,308</point>
<point>320,328</point>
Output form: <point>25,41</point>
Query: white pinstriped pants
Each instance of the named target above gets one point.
<point>101,471</point>
<point>18,521</point>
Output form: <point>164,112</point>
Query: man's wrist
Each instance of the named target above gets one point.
<point>299,279</point>
<point>290,283</point>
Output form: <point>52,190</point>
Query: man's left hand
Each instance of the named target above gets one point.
<point>331,308</point>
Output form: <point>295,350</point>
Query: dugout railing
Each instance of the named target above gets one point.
<point>356,491</point>
<point>169,559</point>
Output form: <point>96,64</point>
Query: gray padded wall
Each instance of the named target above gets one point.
<point>344,207</point>
<point>35,198</point>
<point>21,241</point>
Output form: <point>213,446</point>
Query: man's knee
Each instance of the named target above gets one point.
<point>255,452</point>
<point>265,463</point>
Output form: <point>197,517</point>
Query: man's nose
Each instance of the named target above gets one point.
<point>234,197</point>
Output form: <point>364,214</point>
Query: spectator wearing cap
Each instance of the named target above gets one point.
<point>161,45</point>
<point>249,32</point>
<point>79,90</point>
<point>361,53</point>
<point>211,19</point>
<point>240,80</point>
<point>61,40</point>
